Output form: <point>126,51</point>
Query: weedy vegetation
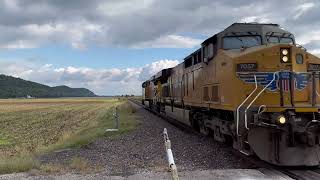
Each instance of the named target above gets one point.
<point>76,164</point>
<point>31,127</point>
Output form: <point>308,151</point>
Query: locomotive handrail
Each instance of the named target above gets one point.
<point>274,78</point>
<point>260,107</point>
<point>256,83</point>
<point>310,122</point>
<point>245,112</point>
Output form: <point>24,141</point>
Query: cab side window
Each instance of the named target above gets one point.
<point>197,57</point>
<point>210,51</point>
<point>188,62</point>
<point>210,48</point>
<point>205,52</point>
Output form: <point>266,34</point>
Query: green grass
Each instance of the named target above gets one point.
<point>4,142</point>
<point>76,164</point>
<point>29,128</point>
<point>18,164</point>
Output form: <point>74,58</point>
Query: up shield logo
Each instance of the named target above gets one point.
<point>264,78</point>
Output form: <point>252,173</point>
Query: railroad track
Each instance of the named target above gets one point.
<point>174,122</point>
<point>299,173</point>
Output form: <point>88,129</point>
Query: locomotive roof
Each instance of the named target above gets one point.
<point>241,28</point>
<point>232,30</point>
<point>162,75</point>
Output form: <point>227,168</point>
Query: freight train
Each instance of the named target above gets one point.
<point>250,85</point>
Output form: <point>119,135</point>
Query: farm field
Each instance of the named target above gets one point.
<point>31,127</point>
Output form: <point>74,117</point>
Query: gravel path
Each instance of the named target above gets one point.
<point>143,150</point>
<point>216,174</point>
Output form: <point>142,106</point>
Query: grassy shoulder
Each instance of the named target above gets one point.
<point>29,128</point>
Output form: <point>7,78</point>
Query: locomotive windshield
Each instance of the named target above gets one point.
<point>285,38</point>
<point>276,39</point>
<point>237,42</point>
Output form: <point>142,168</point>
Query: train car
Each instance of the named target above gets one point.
<point>251,85</point>
<point>147,93</point>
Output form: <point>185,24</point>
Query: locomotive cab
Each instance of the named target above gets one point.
<point>277,92</point>
<point>277,115</point>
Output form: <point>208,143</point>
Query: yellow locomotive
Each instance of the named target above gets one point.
<point>252,85</point>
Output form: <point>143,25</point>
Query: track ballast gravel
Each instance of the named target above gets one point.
<point>143,150</point>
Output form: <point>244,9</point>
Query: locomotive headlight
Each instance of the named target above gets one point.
<point>282,119</point>
<point>285,52</point>
<point>285,59</point>
<point>285,55</point>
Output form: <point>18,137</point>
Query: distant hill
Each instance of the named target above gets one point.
<point>11,87</point>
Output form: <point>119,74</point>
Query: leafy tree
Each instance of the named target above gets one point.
<point>11,87</point>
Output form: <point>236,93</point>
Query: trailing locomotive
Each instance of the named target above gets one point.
<point>251,85</point>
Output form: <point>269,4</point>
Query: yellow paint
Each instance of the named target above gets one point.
<point>234,90</point>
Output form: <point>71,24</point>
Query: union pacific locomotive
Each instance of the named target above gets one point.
<point>250,85</point>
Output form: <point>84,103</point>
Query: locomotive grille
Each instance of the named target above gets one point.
<point>215,93</point>
<point>206,94</point>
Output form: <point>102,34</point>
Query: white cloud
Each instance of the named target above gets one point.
<point>312,35</point>
<point>122,7</point>
<point>260,19</point>
<point>303,8</point>
<point>170,41</point>
<point>11,4</point>
<point>101,81</point>
<point>316,52</point>
<point>19,44</point>
<point>34,35</point>
<point>141,23</point>
<point>150,69</point>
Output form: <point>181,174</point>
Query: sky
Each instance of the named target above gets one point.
<point>112,46</point>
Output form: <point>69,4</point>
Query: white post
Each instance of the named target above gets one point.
<point>172,165</point>
<point>116,121</point>
<point>116,118</point>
